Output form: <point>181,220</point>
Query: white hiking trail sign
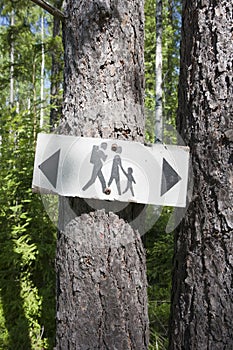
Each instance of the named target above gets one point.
<point>111,170</point>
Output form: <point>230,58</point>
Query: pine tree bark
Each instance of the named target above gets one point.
<point>202,297</point>
<point>101,295</point>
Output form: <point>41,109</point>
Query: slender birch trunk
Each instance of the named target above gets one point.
<point>158,73</point>
<point>42,71</point>
<point>56,77</point>
<point>34,100</point>
<point>12,61</point>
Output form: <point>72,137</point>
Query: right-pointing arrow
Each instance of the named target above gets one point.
<point>169,177</point>
<point>50,168</point>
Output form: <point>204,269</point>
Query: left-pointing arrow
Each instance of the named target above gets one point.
<point>50,168</point>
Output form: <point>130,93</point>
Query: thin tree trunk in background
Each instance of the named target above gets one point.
<point>57,67</point>
<point>101,281</point>
<point>170,61</point>
<point>42,73</point>
<point>17,101</point>
<point>202,296</point>
<point>158,72</point>
<point>12,60</point>
<point>34,99</point>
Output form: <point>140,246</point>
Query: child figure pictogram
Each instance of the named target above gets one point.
<point>130,180</point>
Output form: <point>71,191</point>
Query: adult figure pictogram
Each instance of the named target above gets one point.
<point>98,157</point>
<point>115,173</point>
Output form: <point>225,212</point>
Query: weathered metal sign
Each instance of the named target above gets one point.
<point>111,170</point>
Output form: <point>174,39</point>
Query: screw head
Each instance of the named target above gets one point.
<point>107,191</point>
<point>114,147</point>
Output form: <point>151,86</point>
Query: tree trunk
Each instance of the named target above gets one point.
<point>56,69</point>
<point>12,61</point>
<point>101,297</point>
<point>202,298</point>
<point>42,71</point>
<point>158,72</point>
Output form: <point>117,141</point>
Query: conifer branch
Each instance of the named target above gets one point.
<point>49,8</point>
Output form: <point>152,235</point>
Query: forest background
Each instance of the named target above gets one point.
<point>31,64</point>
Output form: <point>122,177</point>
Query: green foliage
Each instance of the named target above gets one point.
<point>159,244</point>
<point>27,239</point>
<point>149,53</point>
<point>159,248</point>
<point>4,337</point>
<point>171,47</point>
<point>27,243</point>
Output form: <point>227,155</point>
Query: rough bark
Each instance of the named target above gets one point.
<point>202,305</point>
<point>104,63</point>
<point>101,297</point>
